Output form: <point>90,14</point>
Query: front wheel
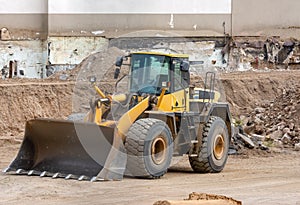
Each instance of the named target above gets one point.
<point>213,152</point>
<point>149,148</point>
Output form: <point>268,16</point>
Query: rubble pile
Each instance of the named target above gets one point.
<point>270,53</point>
<point>275,123</point>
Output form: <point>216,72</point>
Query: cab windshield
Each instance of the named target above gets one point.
<point>149,73</point>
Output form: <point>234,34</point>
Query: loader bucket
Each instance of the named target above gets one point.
<point>70,149</point>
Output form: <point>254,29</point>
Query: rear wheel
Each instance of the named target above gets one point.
<point>213,152</point>
<point>149,148</point>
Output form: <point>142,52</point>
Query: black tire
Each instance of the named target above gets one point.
<point>76,117</point>
<point>149,148</point>
<point>213,153</point>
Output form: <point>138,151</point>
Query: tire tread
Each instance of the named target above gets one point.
<point>201,163</point>
<point>135,148</point>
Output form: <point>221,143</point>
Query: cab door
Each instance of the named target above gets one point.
<point>179,85</point>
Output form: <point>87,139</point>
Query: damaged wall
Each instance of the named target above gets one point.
<point>23,58</point>
<point>258,53</point>
<point>71,50</point>
<point>206,52</point>
<point>65,53</point>
<point>61,34</point>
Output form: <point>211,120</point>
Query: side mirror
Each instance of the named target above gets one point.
<point>118,65</point>
<point>92,79</point>
<point>119,61</point>
<point>184,66</point>
<point>117,73</point>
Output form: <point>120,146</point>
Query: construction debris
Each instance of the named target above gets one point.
<point>277,123</point>
<point>297,147</point>
<point>4,34</point>
<point>270,53</point>
<point>202,198</point>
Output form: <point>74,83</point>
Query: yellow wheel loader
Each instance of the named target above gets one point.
<point>134,133</point>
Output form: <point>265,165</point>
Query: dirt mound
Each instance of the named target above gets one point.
<point>246,90</point>
<point>202,198</point>
<point>28,100</point>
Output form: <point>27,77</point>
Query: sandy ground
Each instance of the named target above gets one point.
<point>251,179</point>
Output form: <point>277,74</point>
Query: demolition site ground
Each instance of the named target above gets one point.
<point>264,171</point>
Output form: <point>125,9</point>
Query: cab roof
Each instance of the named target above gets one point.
<point>172,55</point>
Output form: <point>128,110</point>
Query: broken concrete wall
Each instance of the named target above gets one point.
<point>39,59</point>
<point>264,53</point>
<point>72,50</point>
<point>65,53</point>
<point>76,30</point>
<point>207,53</point>
<point>25,58</point>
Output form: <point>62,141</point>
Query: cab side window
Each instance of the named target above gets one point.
<point>179,76</point>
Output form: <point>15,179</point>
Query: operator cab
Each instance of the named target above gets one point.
<point>151,71</point>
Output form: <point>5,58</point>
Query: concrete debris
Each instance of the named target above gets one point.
<point>264,147</point>
<point>286,138</point>
<point>248,142</point>
<point>260,138</point>
<point>63,77</point>
<point>259,110</point>
<point>97,32</point>
<point>278,122</point>
<point>241,141</point>
<point>286,130</point>
<point>297,147</point>
<point>4,34</point>
<point>4,72</point>
<point>276,134</point>
<point>273,53</point>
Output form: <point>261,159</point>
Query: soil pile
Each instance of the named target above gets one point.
<point>24,101</point>
<point>202,198</point>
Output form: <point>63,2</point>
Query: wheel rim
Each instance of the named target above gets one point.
<point>158,150</point>
<point>219,147</point>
